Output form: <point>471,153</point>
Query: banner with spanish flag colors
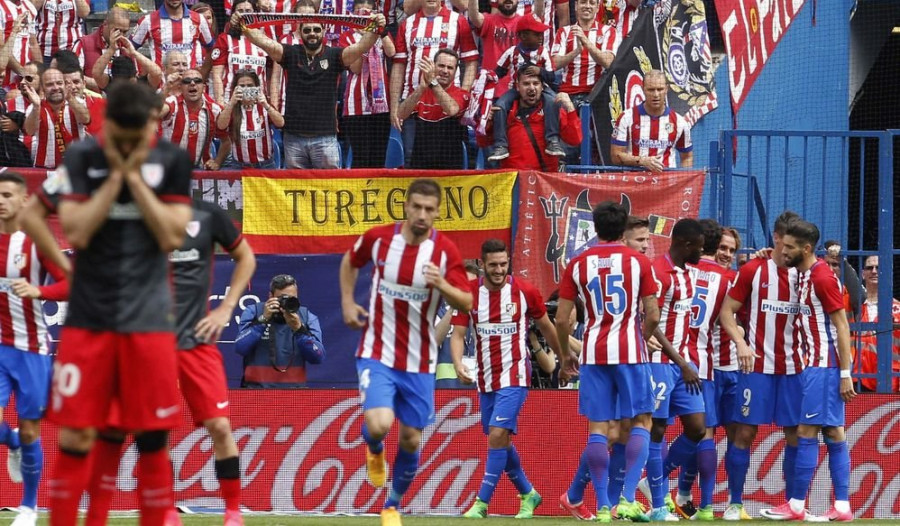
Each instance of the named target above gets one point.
<point>324,211</point>
<point>556,224</point>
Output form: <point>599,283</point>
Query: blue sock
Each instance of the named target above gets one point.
<point>737,462</point>
<point>706,464</point>
<point>515,472</point>
<point>839,465</point>
<point>616,473</point>
<point>805,467</point>
<point>8,437</point>
<point>597,454</point>
<point>636,452</point>
<point>681,450</point>
<point>32,465</point>
<point>787,467</point>
<point>405,466</point>
<point>655,474</point>
<point>688,475</point>
<point>580,481</point>
<point>375,446</point>
<point>496,461</point>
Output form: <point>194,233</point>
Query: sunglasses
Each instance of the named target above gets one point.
<point>870,267</point>
<point>188,82</point>
<point>28,78</point>
<point>308,30</point>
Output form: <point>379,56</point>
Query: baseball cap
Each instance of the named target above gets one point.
<point>531,23</point>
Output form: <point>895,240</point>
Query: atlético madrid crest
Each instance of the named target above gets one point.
<point>510,309</point>
<point>21,260</point>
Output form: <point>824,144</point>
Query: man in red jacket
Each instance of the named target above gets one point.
<point>527,152</point>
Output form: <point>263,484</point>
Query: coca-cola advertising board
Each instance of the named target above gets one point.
<point>301,451</point>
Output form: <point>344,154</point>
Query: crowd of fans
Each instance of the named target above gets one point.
<point>450,76</point>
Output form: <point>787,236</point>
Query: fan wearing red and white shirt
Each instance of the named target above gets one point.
<point>18,18</point>
<point>646,134</point>
<point>770,389</point>
<point>497,32</point>
<point>421,35</point>
<point>501,311</point>
<point>54,121</point>
<point>613,281</point>
<point>553,10</point>
<point>584,49</point>
<point>438,104</point>
<point>249,117</point>
<point>59,23</point>
<point>624,13</point>
<point>234,52</point>
<point>827,384</point>
<point>189,120</point>
<point>174,27</point>
<point>413,266</point>
<point>677,386</point>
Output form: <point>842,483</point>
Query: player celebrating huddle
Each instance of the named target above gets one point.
<point>397,354</point>
<point>502,306</point>
<point>826,345</point>
<point>612,281</point>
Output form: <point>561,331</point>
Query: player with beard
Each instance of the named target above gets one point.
<point>189,120</point>
<point>827,385</point>
<point>313,71</point>
<point>501,310</point>
<point>397,355</point>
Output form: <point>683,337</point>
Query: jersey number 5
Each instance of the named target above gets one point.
<point>611,295</point>
<point>698,306</point>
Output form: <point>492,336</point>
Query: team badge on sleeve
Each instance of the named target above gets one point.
<point>152,174</point>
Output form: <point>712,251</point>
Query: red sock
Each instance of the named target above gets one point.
<point>231,492</point>
<point>102,485</point>
<point>155,486</point>
<point>68,483</point>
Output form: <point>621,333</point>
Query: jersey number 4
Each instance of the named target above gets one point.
<point>611,295</point>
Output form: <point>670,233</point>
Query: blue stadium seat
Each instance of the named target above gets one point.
<point>394,155</point>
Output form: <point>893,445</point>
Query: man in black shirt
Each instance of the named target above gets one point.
<point>311,93</point>
<point>125,206</point>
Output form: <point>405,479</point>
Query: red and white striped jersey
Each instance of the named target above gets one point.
<point>9,11</point>
<point>421,36</point>
<point>725,354</point>
<point>357,96</point>
<point>58,26</point>
<point>625,17</point>
<point>582,73</point>
<point>20,103</point>
<point>399,331</point>
<point>711,285</point>
<point>770,293</point>
<point>237,54</point>
<point>167,34</point>
<point>515,56</point>
<point>610,279</point>
<point>652,136</point>
<point>193,130</point>
<point>821,292</point>
<point>255,144</point>
<point>22,323</point>
<point>500,321</point>
<point>56,130</point>
<point>676,293</point>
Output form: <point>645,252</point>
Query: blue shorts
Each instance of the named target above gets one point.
<point>610,392</point>
<point>27,374</point>
<point>822,403</point>
<point>768,399</point>
<point>501,408</point>
<point>726,396</point>
<point>670,392</point>
<point>410,395</point>
<point>710,403</point>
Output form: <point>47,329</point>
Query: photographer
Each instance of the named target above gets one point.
<point>278,337</point>
<point>545,370</point>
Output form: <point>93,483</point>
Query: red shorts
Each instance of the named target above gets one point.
<point>201,376</point>
<point>137,371</point>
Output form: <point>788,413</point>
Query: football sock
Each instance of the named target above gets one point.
<point>787,467</point>
<point>636,452</point>
<point>8,437</point>
<point>616,472</point>
<point>805,467</point>
<point>655,474</point>
<point>496,462</point>
<point>838,464</point>
<point>681,450</point>
<point>706,463</point>
<point>580,481</point>
<point>737,462</point>
<point>102,486</point>
<point>228,473</point>
<point>32,466</point>
<point>155,481</point>
<point>597,455</point>
<point>686,478</point>
<point>405,466</point>
<point>69,481</point>
<point>375,446</point>
<point>515,472</point>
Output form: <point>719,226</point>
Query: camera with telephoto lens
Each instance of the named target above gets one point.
<point>288,303</point>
